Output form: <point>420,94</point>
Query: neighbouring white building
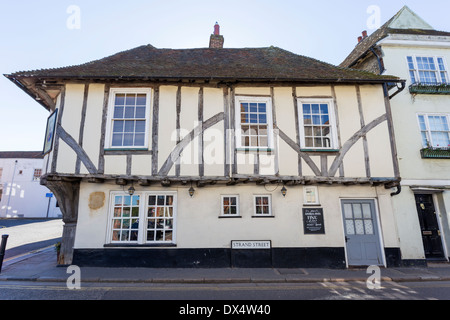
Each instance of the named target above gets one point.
<point>408,47</point>
<point>21,194</point>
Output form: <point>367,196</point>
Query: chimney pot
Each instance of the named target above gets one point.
<point>216,40</point>
<point>364,34</point>
<point>360,39</point>
<point>216,29</point>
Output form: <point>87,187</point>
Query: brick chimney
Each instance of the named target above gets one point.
<point>216,41</point>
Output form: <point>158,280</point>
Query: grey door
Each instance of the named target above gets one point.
<point>361,233</point>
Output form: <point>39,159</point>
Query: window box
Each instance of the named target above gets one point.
<point>435,153</point>
<point>424,88</point>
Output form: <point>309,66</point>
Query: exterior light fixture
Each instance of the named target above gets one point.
<point>191,191</point>
<point>284,191</point>
<point>131,190</point>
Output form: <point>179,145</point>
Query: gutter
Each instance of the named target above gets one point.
<point>389,97</point>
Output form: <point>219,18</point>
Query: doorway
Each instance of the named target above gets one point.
<point>429,225</point>
<point>361,233</point>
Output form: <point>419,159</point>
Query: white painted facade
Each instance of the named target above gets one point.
<point>22,195</point>
<point>198,222</point>
<point>419,175</point>
<point>169,172</point>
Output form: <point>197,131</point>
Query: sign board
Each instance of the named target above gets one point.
<point>49,195</point>
<point>248,245</point>
<point>313,221</point>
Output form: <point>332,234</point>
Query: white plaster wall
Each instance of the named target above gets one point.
<point>282,160</point>
<point>405,108</point>
<point>198,224</point>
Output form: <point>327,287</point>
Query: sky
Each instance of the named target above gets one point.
<point>57,33</point>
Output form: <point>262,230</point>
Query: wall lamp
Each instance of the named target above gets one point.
<point>191,191</point>
<point>131,190</point>
<point>284,191</point>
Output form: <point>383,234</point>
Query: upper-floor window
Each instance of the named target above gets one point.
<point>128,118</point>
<point>435,130</point>
<point>317,124</point>
<point>427,70</point>
<point>253,122</point>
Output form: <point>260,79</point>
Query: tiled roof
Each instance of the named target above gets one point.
<point>247,64</point>
<point>364,46</point>
<point>21,155</point>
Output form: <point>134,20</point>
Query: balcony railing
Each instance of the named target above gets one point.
<point>435,153</point>
<point>430,88</point>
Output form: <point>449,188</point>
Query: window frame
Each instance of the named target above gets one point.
<point>230,215</point>
<point>428,129</point>
<point>238,126</point>
<point>438,71</point>
<point>110,117</point>
<point>305,198</point>
<point>35,178</point>
<point>334,146</point>
<point>143,220</point>
<point>262,215</point>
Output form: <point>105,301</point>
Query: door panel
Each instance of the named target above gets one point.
<point>361,233</point>
<point>431,235</point>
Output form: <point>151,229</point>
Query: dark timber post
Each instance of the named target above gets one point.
<point>3,249</point>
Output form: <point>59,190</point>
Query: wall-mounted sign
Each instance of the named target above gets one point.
<point>247,245</point>
<point>50,132</point>
<point>313,221</point>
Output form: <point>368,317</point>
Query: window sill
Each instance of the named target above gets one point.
<point>261,216</point>
<point>136,245</point>
<point>319,150</point>
<point>255,149</point>
<point>230,217</point>
<point>126,149</point>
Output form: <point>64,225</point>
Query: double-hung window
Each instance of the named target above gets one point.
<point>128,118</point>
<point>254,123</point>
<point>143,218</point>
<point>435,130</point>
<point>427,70</point>
<point>317,124</point>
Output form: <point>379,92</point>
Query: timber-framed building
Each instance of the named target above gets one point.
<point>220,157</point>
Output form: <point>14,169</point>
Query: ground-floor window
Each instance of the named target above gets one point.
<point>262,206</point>
<point>144,218</point>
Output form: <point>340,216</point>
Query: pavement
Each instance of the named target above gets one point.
<point>40,265</point>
